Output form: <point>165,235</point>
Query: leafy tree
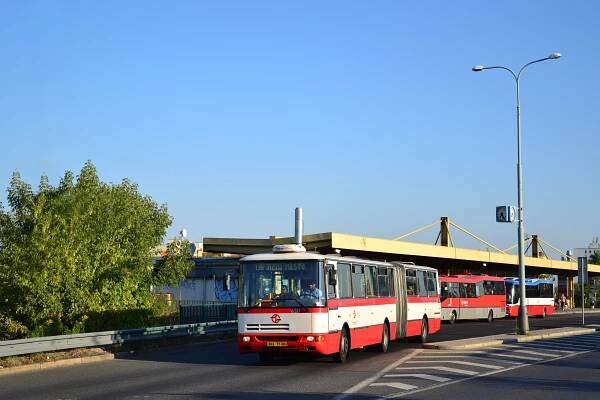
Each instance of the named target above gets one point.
<point>71,253</point>
<point>596,258</point>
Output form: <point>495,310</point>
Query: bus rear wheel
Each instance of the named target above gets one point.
<point>344,348</point>
<point>424,331</point>
<point>453,317</point>
<point>490,317</point>
<point>385,338</point>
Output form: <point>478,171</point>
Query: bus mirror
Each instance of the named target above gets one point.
<point>332,281</point>
<point>227,282</point>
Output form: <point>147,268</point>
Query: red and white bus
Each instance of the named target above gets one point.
<point>472,297</point>
<point>539,293</point>
<point>294,301</point>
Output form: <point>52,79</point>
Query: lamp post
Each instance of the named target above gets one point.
<point>523,326</point>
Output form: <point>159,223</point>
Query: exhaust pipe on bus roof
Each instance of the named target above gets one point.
<point>296,247</point>
<point>299,226</point>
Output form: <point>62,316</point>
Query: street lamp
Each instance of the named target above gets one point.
<point>523,326</point>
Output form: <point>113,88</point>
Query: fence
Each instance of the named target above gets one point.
<point>93,339</point>
<point>191,312</point>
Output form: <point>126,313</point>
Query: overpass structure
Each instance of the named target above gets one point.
<point>447,259</point>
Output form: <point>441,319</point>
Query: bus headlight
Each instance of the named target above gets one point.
<point>310,338</point>
<point>246,339</point>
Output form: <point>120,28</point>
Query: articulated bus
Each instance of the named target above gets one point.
<point>293,301</point>
<point>472,297</point>
<point>539,293</point>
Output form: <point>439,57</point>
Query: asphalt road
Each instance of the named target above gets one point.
<point>217,371</point>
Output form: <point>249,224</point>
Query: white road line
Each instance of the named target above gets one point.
<point>475,357</point>
<point>454,351</point>
<point>447,369</point>
<point>578,339</point>
<point>459,362</point>
<point>397,385</point>
<point>579,342</point>
<point>566,345</point>
<point>397,395</point>
<point>516,356</point>
<point>536,348</point>
<point>549,347</point>
<point>419,376</point>
<point>535,353</point>
<point>373,378</point>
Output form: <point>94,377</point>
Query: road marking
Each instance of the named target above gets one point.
<point>577,342</point>
<point>447,369</point>
<point>455,351</point>
<point>396,385</point>
<point>420,376</point>
<point>378,375</point>
<point>549,347</point>
<point>537,348</point>
<point>459,362</point>
<point>535,353</point>
<point>475,357</point>
<point>397,395</point>
<point>516,356</point>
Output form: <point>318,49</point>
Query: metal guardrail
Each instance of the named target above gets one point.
<point>93,339</point>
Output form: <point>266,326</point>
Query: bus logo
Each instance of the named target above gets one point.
<point>275,318</point>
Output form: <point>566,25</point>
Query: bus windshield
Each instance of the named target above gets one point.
<point>282,284</point>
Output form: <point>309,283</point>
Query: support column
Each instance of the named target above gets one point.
<point>535,252</point>
<point>445,232</point>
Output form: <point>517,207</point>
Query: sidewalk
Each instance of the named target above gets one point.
<point>578,311</point>
<point>498,340</point>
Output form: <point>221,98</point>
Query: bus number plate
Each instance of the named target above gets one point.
<point>277,344</point>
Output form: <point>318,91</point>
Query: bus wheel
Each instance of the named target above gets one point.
<point>453,317</point>
<point>385,338</point>
<point>491,317</point>
<point>344,349</point>
<point>424,330</point>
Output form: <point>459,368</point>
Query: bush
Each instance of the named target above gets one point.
<point>11,329</point>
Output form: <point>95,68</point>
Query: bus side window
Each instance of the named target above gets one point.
<point>471,290</point>
<point>358,281</point>
<point>422,284</point>
<point>454,290</point>
<point>431,284</point>
<point>444,290</point>
<point>411,282</point>
<point>371,281</point>
<point>391,274</point>
<point>330,275</point>
<point>383,280</point>
<point>344,280</point>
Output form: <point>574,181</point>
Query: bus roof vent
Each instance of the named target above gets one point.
<point>289,248</point>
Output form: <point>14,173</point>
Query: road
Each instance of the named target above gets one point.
<point>217,371</point>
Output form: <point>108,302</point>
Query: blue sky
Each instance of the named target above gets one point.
<point>366,114</point>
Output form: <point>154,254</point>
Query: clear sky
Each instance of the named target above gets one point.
<point>366,114</point>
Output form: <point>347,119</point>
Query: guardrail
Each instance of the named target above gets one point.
<point>93,339</point>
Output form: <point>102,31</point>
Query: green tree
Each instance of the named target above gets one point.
<point>596,258</point>
<point>74,254</point>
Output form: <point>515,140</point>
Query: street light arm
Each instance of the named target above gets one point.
<point>529,63</point>
<point>501,67</point>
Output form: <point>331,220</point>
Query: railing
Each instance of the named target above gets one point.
<point>93,339</point>
<point>192,312</point>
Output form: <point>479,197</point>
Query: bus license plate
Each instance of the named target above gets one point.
<point>277,344</point>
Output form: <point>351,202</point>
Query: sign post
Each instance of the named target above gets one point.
<point>582,278</point>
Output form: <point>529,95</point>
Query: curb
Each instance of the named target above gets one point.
<point>497,340</point>
<point>58,363</point>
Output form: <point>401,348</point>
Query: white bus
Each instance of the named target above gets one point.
<point>295,301</point>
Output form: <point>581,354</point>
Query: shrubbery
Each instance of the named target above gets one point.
<point>78,257</point>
